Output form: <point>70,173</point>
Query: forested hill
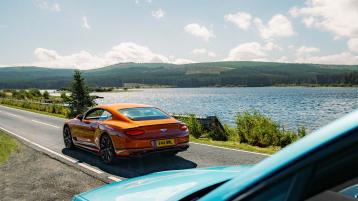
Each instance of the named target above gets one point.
<point>187,75</point>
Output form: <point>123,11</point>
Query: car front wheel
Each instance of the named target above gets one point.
<point>67,138</point>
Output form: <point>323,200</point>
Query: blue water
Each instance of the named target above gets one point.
<point>290,106</point>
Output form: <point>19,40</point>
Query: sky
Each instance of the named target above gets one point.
<point>87,34</point>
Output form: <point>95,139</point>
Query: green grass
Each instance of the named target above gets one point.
<point>36,111</point>
<point>235,145</point>
<point>7,146</point>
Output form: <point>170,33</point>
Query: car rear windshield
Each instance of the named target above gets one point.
<point>143,113</point>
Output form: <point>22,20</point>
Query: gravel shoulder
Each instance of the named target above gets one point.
<point>31,175</point>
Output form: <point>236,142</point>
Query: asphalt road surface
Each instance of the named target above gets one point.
<point>47,132</point>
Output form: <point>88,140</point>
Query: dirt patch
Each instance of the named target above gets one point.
<point>31,175</point>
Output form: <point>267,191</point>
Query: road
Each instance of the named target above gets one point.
<point>46,131</point>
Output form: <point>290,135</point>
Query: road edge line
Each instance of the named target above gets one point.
<point>231,149</point>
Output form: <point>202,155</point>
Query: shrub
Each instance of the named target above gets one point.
<point>218,135</point>
<point>231,133</point>
<point>195,128</point>
<point>259,130</point>
<point>2,94</point>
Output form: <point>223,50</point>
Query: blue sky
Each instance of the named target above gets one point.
<point>91,34</point>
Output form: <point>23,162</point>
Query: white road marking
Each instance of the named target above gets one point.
<point>10,114</point>
<point>90,168</point>
<point>40,146</point>
<point>114,178</point>
<point>40,122</point>
<point>239,150</point>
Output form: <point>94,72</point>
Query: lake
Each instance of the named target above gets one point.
<point>291,106</point>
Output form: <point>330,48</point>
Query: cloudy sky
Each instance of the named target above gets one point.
<point>90,34</point>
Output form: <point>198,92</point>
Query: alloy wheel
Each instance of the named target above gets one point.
<point>107,150</point>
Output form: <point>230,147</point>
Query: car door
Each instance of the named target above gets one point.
<point>89,124</point>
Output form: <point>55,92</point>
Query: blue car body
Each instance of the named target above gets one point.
<point>233,181</point>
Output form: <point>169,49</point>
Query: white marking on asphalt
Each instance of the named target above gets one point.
<point>42,147</point>
<point>239,150</point>
<point>114,178</point>
<point>90,168</point>
<point>40,122</point>
<point>11,114</point>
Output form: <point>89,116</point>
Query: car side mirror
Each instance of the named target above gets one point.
<point>80,117</point>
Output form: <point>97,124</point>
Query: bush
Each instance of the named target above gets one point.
<point>218,135</point>
<point>50,108</point>
<point>231,133</point>
<point>258,130</point>
<point>195,128</point>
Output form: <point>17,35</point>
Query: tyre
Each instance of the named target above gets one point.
<point>107,150</point>
<point>67,138</point>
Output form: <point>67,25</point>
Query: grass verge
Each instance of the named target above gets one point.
<point>36,111</point>
<point>7,146</point>
<point>235,145</point>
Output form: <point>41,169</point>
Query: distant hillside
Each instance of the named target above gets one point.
<point>242,73</point>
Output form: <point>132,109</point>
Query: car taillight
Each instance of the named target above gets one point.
<point>135,132</point>
<point>183,127</point>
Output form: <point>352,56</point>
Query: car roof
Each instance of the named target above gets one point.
<point>119,106</point>
<point>288,155</point>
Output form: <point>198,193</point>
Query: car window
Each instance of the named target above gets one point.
<point>105,116</point>
<point>143,113</point>
<point>94,114</point>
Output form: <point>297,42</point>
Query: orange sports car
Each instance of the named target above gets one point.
<point>126,130</point>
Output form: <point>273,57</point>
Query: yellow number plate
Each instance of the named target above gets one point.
<point>164,143</point>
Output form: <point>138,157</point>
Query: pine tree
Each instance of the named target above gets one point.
<point>46,95</point>
<point>79,100</point>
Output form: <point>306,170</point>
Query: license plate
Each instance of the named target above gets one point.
<point>166,142</point>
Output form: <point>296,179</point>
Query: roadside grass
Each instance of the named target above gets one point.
<point>235,145</point>
<point>7,146</point>
<point>35,111</point>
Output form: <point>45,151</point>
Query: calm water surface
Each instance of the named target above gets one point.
<point>291,106</point>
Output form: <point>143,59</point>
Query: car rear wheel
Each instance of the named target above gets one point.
<point>67,138</point>
<point>107,150</point>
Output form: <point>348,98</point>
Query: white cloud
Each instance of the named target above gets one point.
<point>182,61</point>
<point>203,51</point>
<point>199,31</point>
<point>43,4</point>
<point>272,46</point>
<point>123,52</point>
<point>240,19</point>
<point>334,16</point>
<point>85,23</point>
<point>212,54</point>
<point>278,26</point>
<point>251,51</point>
<point>158,13</point>
<point>56,7</point>
<point>304,52</point>
<point>344,58</point>
<point>353,44</point>
<point>199,51</point>
<point>129,52</point>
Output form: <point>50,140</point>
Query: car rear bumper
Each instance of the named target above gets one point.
<point>140,152</point>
